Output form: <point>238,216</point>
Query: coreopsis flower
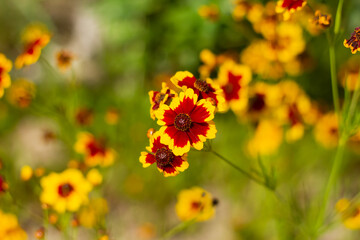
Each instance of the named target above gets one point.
<point>66,191</point>
<point>165,96</point>
<point>350,213</point>
<point>288,7</point>
<point>94,177</point>
<point>93,214</point>
<point>327,130</point>
<point>26,173</point>
<point>64,59</point>
<point>9,228</point>
<point>322,20</point>
<point>204,88</point>
<point>349,73</point>
<point>241,8</point>
<point>195,204</point>
<point>5,68</point>
<point>21,93</point>
<point>95,151</point>
<point>233,80</point>
<point>166,161</point>
<point>267,138</point>
<point>210,12</point>
<point>34,38</point>
<point>186,122</point>
<point>209,62</point>
<point>354,41</point>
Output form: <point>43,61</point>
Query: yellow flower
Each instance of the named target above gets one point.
<point>354,41</point>
<point>350,73</point>
<point>94,177</point>
<point>195,204</point>
<point>327,130</point>
<point>350,213</point>
<point>5,68</point>
<point>9,228</point>
<point>35,38</point>
<point>112,116</point>
<point>93,214</point>
<point>21,93</point>
<point>267,138</point>
<point>26,173</point>
<point>210,12</point>
<point>288,7</point>
<point>66,191</point>
<point>322,20</point>
<point>96,153</point>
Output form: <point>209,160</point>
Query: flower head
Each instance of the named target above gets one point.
<point>95,151</point>
<point>210,12</point>
<point>3,184</point>
<point>35,38</point>
<point>5,67</point>
<point>93,214</point>
<point>64,59</point>
<point>21,93</point>
<point>165,96</point>
<point>327,130</point>
<point>166,161</point>
<point>322,20</point>
<point>350,213</point>
<point>186,122</point>
<point>354,41</point>
<point>204,88</point>
<point>66,191</point>
<point>288,7</point>
<point>9,228</point>
<point>195,204</point>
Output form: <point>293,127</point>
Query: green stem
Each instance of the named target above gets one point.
<point>334,86</point>
<point>178,228</point>
<point>338,17</point>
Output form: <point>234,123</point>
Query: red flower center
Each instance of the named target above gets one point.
<point>2,184</point>
<point>257,103</point>
<point>201,85</point>
<point>196,206</point>
<point>164,156</point>
<point>65,190</point>
<point>95,148</point>
<point>182,122</point>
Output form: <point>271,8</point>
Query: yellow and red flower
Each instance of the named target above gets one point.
<point>5,67</point>
<point>322,20</point>
<point>64,59</point>
<point>210,12</point>
<point>35,38</point>
<point>3,184</point>
<point>204,88</point>
<point>166,161</point>
<point>327,130</point>
<point>233,80</point>
<point>9,228</point>
<point>354,41</point>
<point>96,153</point>
<point>158,98</point>
<point>66,191</point>
<point>288,7</point>
<point>186,122</point>
<point>350,213</point>
<point>21,93</point>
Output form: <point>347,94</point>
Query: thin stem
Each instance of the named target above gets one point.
<point>334,86</point>
<point>338,17</point>
<point>178,228</point>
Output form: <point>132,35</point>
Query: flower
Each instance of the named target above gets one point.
<point>3,184</point>
<point>9,228</point>
<point>322,20</point>
<point>21,93</point>
<point>186,122</point>
<point>26,173</point>
<point>350,213</point>
<point>5,67</point>
<point>204,88</point>
<point>65,191</point>
<point>96,153</point>
<point>166,161</point>
<point>94,177</point>
<point>195,204</point>
<point>35,38</point>
<point>64,59</point>
<point>233,80</point>
<point>165,96</point>
<point>288,7</point>
<point>93,214</point>
<point>112,116</point>
<point>327,130</point>
<point>84,116</point>
<point>349,73</point>
<point>354,41</point>
<point>210,12</point>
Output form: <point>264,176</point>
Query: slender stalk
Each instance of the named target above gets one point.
<point>178,228</point>
<point>338,17</point>
<point>334,86</point>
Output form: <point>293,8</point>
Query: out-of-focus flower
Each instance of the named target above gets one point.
<point>94,177</point>
<point>66,191</point>
<point>233,80</point>
<point>84,116</point>
<point>349,73</point>
<point>267,138</point>
<point>53,218</point>
<point>96,153</point>
<point>34,38</point>
<point>40,233</point>
<point>354,41</point>
<point>147,231</point>
<point>3,184</point>
<point>165,159</point>
<point>9,228</point>
<point>209,60</point>
<point>322,20</point>
<point>112,116</point>
<point>93,214</point>
<point>195,204</point>
<point>241,8</point>
<point>350,213</point>
<point>327,130</point>
<point>21,93</point>
<point>5,68</point>
<point>204,88</point>
<point>26,173</point>
<point>165,96</point>
<point>210,12</point>
<point>186,122</point>
<point>39,172</point>
<point>104,237</point>
<point>64,59</point>
<point>288,7</point>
